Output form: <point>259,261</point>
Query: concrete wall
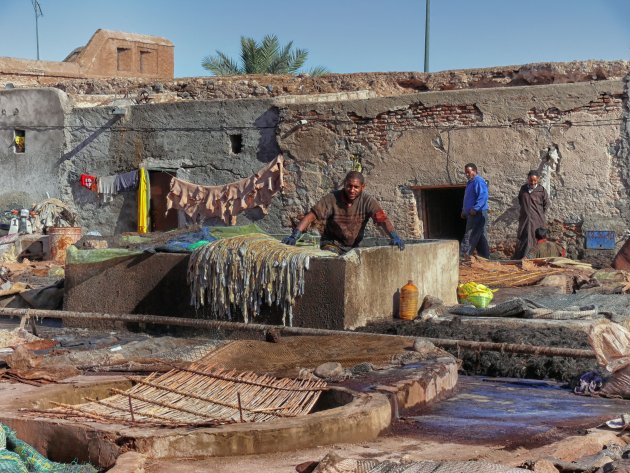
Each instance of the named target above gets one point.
<point>425,139</point>
<point>26,178</point>
<point>190,140</point>
<point>340,293</point>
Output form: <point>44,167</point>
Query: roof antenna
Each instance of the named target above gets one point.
<point>38,12</point>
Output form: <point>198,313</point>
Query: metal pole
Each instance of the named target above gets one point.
<point>426,35</point>
<point>38,12</point>
<point>261,328</point>
<point>37,34</point>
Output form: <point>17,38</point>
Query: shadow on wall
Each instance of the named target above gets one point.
<point>81,146</point>
<point>509,215</point>
<point>128,215</point>
<point>267,124</point>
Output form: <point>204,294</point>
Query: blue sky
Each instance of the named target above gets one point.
<point>342,35</point>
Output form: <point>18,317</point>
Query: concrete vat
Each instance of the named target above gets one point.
<point>340,293</point>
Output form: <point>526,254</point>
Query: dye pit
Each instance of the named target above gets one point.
<point>511,412</point>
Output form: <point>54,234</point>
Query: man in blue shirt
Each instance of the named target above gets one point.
<point>475,211</point>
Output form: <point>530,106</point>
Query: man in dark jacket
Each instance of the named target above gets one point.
<point>534,202</point>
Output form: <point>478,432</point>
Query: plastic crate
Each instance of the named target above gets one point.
<point>600,240</point>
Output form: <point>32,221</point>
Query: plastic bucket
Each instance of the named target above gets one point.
<point>60,239</point>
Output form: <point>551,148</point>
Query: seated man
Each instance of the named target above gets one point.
<point>544,248</point>
<point>346,213</point>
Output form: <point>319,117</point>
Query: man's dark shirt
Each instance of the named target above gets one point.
<point>345,224</point>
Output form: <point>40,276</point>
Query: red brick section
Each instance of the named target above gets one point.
<point>383,129</point>
<point>604,105</point>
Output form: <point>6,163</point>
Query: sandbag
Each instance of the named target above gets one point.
<point>611,344</point>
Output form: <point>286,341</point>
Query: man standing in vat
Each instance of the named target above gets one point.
<point>475,211</point>
<point>346,213</point>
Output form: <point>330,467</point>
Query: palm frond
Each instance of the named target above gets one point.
<point>249,55</point>
<point>268,51</point>
<point>317,71</point>
<point>221,65</point>
<point>266,57</point>
<point>297,59</point>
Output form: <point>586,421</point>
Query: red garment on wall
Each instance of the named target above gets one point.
<point>89,182</point>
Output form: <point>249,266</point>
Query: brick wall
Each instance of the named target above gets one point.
<point>383,129</point>
<point>604,105</point>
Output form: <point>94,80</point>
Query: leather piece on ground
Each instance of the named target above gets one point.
<point>622,258</point>
<point>16,288</point>
<point>23,359</point>
<point>618,385</point>
<point>42,376</point>
<point>46,298</point>
<point>43,344</point>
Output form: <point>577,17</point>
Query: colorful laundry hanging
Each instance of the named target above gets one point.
<point>89,182</point>
<point>106,187</point>
<point>127,181</point>
<point>227,201</point>
<point>144,199</point>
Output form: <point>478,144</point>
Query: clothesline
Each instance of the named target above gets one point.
<point>226,201</point>
<point>199,202</point>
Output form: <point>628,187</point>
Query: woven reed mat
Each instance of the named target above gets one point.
<point>286,357</point>
<point>198,395</point>
<point>513,273</point>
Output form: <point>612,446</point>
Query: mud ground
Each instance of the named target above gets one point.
<point>502,364</point>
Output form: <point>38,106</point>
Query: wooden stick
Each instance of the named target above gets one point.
<point>131,409</point>
<point>240,408</point>
<point>513,348</point>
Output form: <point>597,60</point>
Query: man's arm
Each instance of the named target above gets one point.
<point>306,221</point>
<point>300,228</point>
<point>382,221</point>
<point>545,200</point>
<point>482,197</point>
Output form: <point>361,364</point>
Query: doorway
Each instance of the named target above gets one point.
<point>440,208</point>
<point>161,221</point>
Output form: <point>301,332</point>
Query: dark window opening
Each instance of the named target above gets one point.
<point>19,141</point>
<point>441,208</point>
<point>123,59</point>
<point>236,141</point>
<point>160,183</point>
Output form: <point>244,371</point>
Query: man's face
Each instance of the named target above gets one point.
<point>470,173</point>
<point>353,189</point>
<point>532,180</point>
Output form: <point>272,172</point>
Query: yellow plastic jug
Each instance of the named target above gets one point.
<point>408,301</point>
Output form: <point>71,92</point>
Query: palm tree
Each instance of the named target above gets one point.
<point>266,57</point>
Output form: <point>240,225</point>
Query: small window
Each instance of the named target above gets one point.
<point>19,141</point>
<point>123,59</point>
<point>236,141</point>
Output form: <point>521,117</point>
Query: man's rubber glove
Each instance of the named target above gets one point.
<point>396,240</point>
<point>293,238</point>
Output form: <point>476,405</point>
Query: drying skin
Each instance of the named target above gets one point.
<point>248,271</point>
<point>227,201</point>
